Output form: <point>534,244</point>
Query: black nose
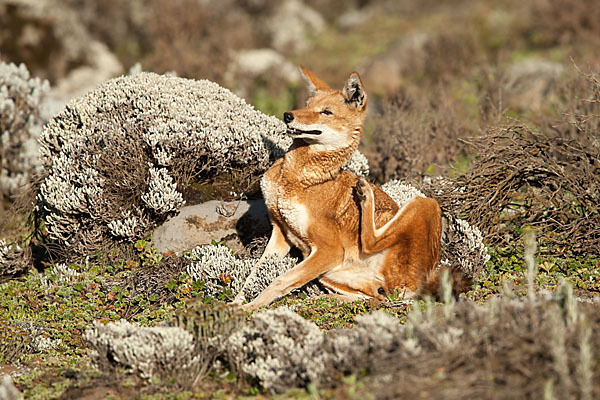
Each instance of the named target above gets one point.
<point>288,117</point>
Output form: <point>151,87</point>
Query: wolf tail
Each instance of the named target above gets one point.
<point>432,284</point>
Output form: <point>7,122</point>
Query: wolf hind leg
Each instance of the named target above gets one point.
<point>418,219</point>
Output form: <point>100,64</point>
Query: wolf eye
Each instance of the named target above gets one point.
<point>326,111</point>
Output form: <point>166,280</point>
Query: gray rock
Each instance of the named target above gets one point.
<point>291,24</point>
<point>384,73</point>
<point>236,223</point>
<point>259,62</point>
<point>355,17</point>
<point>8,391</point>
<point>527,83</point>
<point>246,66</point>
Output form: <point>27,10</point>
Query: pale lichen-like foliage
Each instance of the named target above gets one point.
<point>5,250</point>
<point>21,97</point>
<point>401,192</point>
<point>358,164</point>
<point>162,195</point>
<point>219,270</point>
<point>13,260</point>
<point>281,349</point>
<point>115,159</point>
<point>59,274</point>
<point>43,343</point>
<point>464,247</point>
<point>161,352</point>
<point>126,227</point>
<point>372,336</point>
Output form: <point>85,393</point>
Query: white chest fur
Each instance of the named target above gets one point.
<point>288,206</point>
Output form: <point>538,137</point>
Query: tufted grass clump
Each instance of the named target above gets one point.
<point>211,324</point>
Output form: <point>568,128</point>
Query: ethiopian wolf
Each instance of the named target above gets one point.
<point>355,239</point>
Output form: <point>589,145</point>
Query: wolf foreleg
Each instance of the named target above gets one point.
<point>317,263</point>
<point>277,246</point>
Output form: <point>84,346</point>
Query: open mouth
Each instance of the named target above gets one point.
<point>296,132</point>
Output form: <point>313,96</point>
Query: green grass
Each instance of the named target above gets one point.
<point>64,311</point>
<point>275,105</point>
<point>507,267</point>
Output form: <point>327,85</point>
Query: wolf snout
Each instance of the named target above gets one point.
<point>288,117</point>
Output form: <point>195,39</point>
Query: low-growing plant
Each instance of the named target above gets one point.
<point>114,168</point>
<point>21,97</point>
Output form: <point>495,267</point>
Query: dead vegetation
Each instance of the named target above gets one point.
<point>181,37</point>
<point>509,349</point>
<point>549,179</point>
<point>413,135</point>
<point>521,178</point>
<point>561,22</point>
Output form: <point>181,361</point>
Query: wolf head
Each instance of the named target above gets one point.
<point>332,119</point>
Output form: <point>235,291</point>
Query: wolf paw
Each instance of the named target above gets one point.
<point>362,188</point>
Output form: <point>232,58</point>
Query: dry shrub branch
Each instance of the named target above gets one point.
<point>579,100</point>
<point>524,178</point>
<point>560,22</point>
<point>508,349</point>
<point>412,135</point>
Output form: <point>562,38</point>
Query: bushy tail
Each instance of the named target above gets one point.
<point>432,284</point>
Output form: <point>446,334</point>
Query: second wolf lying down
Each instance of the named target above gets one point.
<point>353,236</point>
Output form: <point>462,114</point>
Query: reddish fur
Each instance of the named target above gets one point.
<point>336,234</point>
<point>431,284</point>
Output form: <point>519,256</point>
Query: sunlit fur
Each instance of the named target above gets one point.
<point>353,236</point>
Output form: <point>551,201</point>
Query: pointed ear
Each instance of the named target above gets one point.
<point>355,92</point>
<point>314,83</point>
